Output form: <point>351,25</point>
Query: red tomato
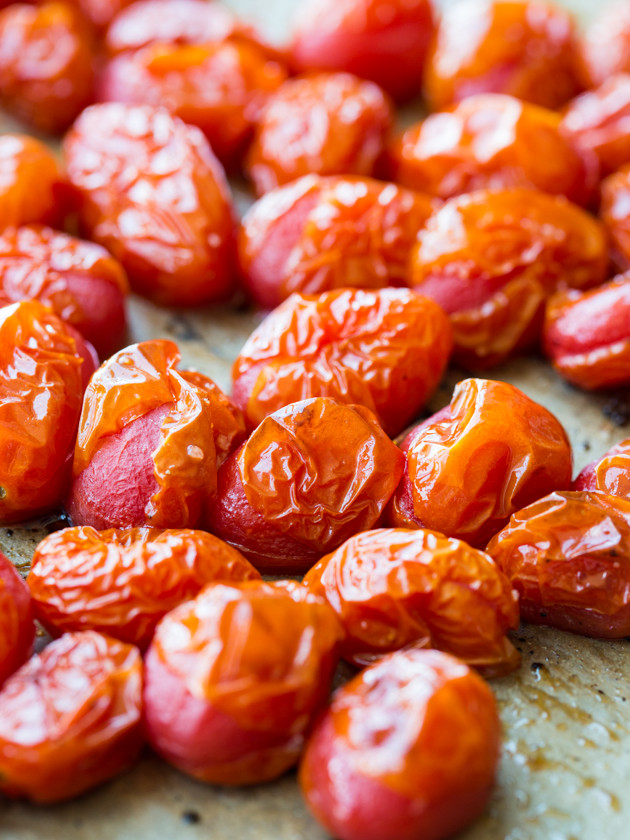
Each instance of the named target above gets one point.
<point>17,629</point>
<point>608,474</point>
<point>31,186</point>
<point>615,213</point>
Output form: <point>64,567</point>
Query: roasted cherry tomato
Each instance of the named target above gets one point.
<point>123,582</point>
<point>150,441</point>
<point>70,718</point>
<point>324,123</point>
<point>385,41</point>
<point>608,474</point>
<point>319,234</point>
<point>219,87</point>
<point>491,259</point>
<point>470,466</point>
<point>30,182</point>
<point>496,142</point>
<point>235,677</point>
<point>525,48</point>
<point>46,72</point>
<point>151,191</point>
<point>600,120</point>
<point>100,13</point>
<point>385,349</point>
<point>78,280</point>
<point>615,213</point>
<point>587,334</point>
<point>17,628</point>
<point>44,368</point>
<point>394,587</point>
<point>567,555</point>
<point>407,750</point>
<point>310,476</point>
<point>606,44</point>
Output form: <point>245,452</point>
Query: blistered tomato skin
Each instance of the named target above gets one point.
<point>608,474</point>
<point>149,189</point>
<point>392,588</point>
<point>606,44</point>
<point>567,557</point>
<point>310,476</point>
<point>319,234</point>
<point>492,259</point>
<point>30,182</point>
<point>123,582</point>
<point>470,466</point>
<point>525,48</point>
<point>356,117</point>
<point>385,349</point>
<point>150,441</point>
<point>235,677</point>
<point>78,280</point>
<point>44,366</point>
<point>221,87</point>
<point>493,141</point>
<point>407,750</point>
<point>380,40</point>
<point>615,213</point>
<point>17,628</point>
<point>70,718</point>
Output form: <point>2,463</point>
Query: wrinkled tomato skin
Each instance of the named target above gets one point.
<point>606,45</point>
<point>615,213</point>
<point>383,41</point>
<point>46,72</point>
<point>219,87</point>
<point>567,557</point>
<point>493,141</point>
<point>311,475</point>
<point>289,141</point>
<point>608,474</point>
<point>157,435</point>
<point>491,260</point>
<point>587,335</point>
<point>392,588</point>
<point>475,462</point>
<point>385,349</point>
<point>78,280</point>
<point>123,582</point>
<point>70,718</point>
<point>525,49</point>
<point>319,234</point>
<point>17,627</point>
<point>373,766</point>
<point>600,120</point>
<point>31,186</point>
<point>169,224</point>
<point>43,369</point>
<point>235,677</point>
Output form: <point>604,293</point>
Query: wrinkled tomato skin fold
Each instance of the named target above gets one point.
<point>608,474</point>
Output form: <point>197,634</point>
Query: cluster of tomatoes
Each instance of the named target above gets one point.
<point>492,226</point>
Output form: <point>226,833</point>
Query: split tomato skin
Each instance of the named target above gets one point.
<point>32,190</point>
<point>17,627</point>
<point>609,474</point>
<point>77,704</point>
<point>374,765</point>
<point>122,582</point>
<point>235,677</point>
<point>567,556</point>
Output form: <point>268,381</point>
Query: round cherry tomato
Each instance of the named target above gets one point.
<point>385,41</point>
<point>319,234</point>
<point>608,474</point>
<point>615,213</point>
<point>393,587</point>
<point>123,582</point>
<point>70,718</point>
<point>491,259</point>
<point>407,750</point>
<point>150,190</point>
<point>587,334</point>
<point>44,365</point>
<point>324,123</point>
<point>30,182</point>
<point>17,628</point>
<point>310,476</point>
<point>78,280</point>
<point>525,48</point>
<point>470,466</point>
<point>567,555</point>
<point>219,87</point>
<point>235,677</point>
<point>606,44</point>
<point>493,141</point>
<point>150,441</point>
<point>385,349</point>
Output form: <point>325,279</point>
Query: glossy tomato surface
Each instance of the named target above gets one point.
<point>17,628</point>
<point>567,555</point>
<point>406,751</point>
<point>235,677</point>
<point>615,213</point>
<point>31,185</point>
<point>608,474</point>
<point>606,44</point>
